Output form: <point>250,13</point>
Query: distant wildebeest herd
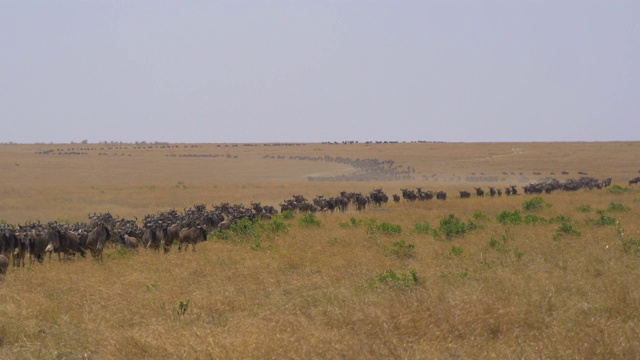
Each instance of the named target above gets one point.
<point>163,230</point>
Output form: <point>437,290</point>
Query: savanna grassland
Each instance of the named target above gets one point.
<point>545,276</point>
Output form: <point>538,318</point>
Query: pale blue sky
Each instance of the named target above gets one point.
<point>312,71</point>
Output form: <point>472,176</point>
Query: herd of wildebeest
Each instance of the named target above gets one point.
<point>164,230</point>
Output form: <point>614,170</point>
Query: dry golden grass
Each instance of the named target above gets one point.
<point>313,292</point>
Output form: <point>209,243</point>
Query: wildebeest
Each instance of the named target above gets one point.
<point>479,192</point>
<point>153,236</point>
<point>464,194</point>
<point>128,242</point>
<point>441,195</point>
<point>96,240</point>
<point>634,181</point>
<point>67,243</point>
<point>39,241</point>
<point>396,198</point>
<point>4,264</point>
<point>192,235</point>
<point>13,245</point>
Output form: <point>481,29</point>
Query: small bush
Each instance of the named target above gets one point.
<point>479,215</point>
<point>617,190</point>
<point>584,208</point>
<point>183,306</point>
<point>219,234</point>
<point>401,249</point>
<point>287,215</point>
<point>519,254</point>
<point>309,219</point>
<point>510,217</point>
<point>355,222</point>
<point>614,206</point>
<point>560,219</point>
<point>245,227</point>
<point>534,219</point>
<point>566,229</point>
<point>452,226</point>
<point>423,228</point>
<point>402,280</point>
<point>456,250</point>
<point>533,204</point>
<point>604,219</point>
<point>276,226</point>
<point>389,228</point>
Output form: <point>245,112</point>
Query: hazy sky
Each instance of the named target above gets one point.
<point>312,71</point>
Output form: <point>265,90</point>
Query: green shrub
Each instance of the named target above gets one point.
<point>533,204</point>
<point>519,254</point>
<point>614,206</point>
<point>534,219</point>
<point>585,208</point>
<point>393,279</point>
<point>560,219</point>
<point>423,228</point>
<point>452,226</point>
<point>456,250</point>
<point>617,189</point>
<point>287,215</point>
<point>276,226</point>
<point>309,219</point>
<point>401,249</point>
<point>182,307</point>
<point>604,219</point>
<point>219,234</point>
<point>479,215</point>
<point>355,222</point>
<point>245,227</point>
<point>566,229</point>
<point>389,228</point>
<point>510,217</point>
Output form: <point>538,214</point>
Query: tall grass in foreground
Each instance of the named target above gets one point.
<point>509,290</point>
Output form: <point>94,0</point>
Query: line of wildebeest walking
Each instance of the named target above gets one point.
<point>164,230</point>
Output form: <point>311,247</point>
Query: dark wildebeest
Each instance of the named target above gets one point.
<point>96,240</point>
<point>396,198</point>
<point>479,192</point>
<point>66,243</point>
<point>464,194</point>
<point>360,201</point>
<point>192,236</point>
<point>12,245</point>
<point>4,264</point>
<point>441,195</point>
<point>38,243</point>
<point>172,234</point>
<point>153,236</point>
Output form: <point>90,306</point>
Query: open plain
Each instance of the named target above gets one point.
<point>388,282</point>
